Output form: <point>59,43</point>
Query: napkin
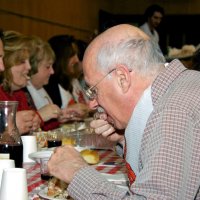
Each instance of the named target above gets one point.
<point>118,179</point>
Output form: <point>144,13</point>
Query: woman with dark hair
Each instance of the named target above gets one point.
<point>67,70</point>
<point>81,45</point>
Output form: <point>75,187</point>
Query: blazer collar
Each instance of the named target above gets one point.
<point>164,80</point>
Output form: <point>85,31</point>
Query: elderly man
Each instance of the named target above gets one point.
<point>158,106</point>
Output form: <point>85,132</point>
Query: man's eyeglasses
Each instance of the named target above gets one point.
<point>91,92</point>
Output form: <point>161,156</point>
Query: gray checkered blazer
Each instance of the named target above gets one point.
<point>169,160</point>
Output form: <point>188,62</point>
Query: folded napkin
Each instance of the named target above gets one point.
<point>118,179</point>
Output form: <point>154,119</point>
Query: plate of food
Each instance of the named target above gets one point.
<point>43,194</point>
<point>56,190</point>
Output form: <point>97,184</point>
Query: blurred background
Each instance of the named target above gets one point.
<point>86,18</point>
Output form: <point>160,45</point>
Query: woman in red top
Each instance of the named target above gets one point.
<point>15,77</point>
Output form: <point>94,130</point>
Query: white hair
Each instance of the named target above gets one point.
<point>142,56</point>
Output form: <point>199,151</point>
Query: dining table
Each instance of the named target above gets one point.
<point>110,164</point>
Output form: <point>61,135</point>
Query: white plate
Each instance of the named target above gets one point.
<point>40,154</point>
<point>43,194</point>
<point>47,153</point>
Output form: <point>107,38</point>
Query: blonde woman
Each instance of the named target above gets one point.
<point>15,77</point>
<point>41,61</point>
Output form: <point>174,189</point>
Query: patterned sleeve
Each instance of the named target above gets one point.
<point>88,184</point>
<point>170,156</point>
<point>169,163</point>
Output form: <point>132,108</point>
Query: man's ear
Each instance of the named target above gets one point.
<point>123,78</point>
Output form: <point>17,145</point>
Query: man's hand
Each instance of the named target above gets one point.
<point>65,162</point>
<point>102,127</point>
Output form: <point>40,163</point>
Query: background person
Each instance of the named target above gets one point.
<point>81,46</point>
<point>64,82</point>
<point>158,106</point>
<point>15,77</point>
<point>153,17</point>
<point>41,61</point>
<point>67,70</point>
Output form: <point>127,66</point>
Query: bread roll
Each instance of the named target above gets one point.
<point>90,156</point>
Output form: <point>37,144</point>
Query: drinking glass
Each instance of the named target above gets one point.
<point>14,184</point>
<point>44,169</point>
<point>54,138</point>
<point>5,163</point>
<point>29,146</point>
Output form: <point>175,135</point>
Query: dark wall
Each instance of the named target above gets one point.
<point>174,31</point>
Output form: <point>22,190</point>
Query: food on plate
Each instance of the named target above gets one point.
<point>57,189</point>
<point>68,141</point>
<point>90,156</point>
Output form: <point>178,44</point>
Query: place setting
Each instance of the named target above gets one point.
<point>54,188</point>
<point>95,149</point>
<point>52,139</point>
<point>76,135</point>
